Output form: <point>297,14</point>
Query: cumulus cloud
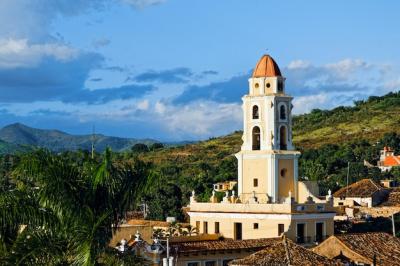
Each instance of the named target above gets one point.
<point>16,53</point>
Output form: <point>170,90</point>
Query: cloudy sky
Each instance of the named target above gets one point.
<point>176,69</point>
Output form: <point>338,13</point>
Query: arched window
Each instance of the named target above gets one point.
<point>283,138</point>
<point>255,112</point>
<point>256,138</point>
<point>282,112</point>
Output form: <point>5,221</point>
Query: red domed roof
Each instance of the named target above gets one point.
<point>266,67</point>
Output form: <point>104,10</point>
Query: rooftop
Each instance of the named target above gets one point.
<point>393,200</point>
<point>282,251</point>
<point>391,161</point>
<point>219,245</point>
<point>362,188</point>
<point>266,67</point>
<point>384,246</point>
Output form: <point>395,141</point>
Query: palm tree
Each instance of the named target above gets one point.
<point>72,208</point>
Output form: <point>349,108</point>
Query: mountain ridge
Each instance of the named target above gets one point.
<point>18,134</point>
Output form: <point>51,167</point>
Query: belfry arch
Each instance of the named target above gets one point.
<point>256,138</point>
<point>283,138</point>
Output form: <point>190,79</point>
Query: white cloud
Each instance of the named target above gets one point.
<point>159,107</point>
<point>298,64</point>
<point>305,104</point>
<point>19,53</point>
<point>202,118</point>
<point>143,105</point>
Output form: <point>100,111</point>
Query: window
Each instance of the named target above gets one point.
<point>256,85</point>
<point>195,263</point>
<point>282,112</point>
<point>211,263</point>
<point>268,85</point>
<point>216,230</point>
<point>255,182</point>
<point>198,226</point>
<point>283,172</point>
<point>319,232</point>
<point>238,231</point>
<point>256,138</point>
<point>280,85</point>
<point>255,112</point>
<point>255,226</point>
<point>301,233</point>
<point>283,138</point>
<point>205,228</point>
<point>281,229</point>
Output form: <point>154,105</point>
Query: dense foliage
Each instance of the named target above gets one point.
<point>60,209</point>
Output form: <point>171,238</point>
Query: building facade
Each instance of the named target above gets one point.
<point>270,201</point>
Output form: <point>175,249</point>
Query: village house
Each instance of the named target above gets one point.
<point>282,252</point>
<point>362,249</point>
<point>388,159</point>
<point>365,192</point>
<point>270,199</point>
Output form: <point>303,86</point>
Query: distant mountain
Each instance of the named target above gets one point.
<point>14,136</point>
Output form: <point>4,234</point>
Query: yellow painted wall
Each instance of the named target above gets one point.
<point>286,183</point>
<point>266,228</point>
<point>254,168</point>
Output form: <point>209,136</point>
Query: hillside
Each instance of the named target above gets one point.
<point>369,119</point>
<point>55,140</point>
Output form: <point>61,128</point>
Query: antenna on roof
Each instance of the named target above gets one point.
<point>93,140</point>
<point>347,179</point>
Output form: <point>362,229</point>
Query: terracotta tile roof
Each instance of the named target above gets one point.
<point>383,245</point>
<point>140,222</point>
<point>393,200</point>
<point>266,67</point>
<point>391,161</point>
<point>227,244</point>
<point>284,252</point>
<point>362,188</point>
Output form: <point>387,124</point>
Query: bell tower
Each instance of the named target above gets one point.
<point>267,162</point>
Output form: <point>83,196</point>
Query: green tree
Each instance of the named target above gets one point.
<point>165,201</point>
<point>139,148</point>
<point>67,207</point>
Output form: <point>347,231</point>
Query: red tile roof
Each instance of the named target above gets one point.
<point>284,252</point>
<point>385,247</point>
<point>227,244</point>
<point>363,188</point>
<point>391,161</point>
<point>266,67</point>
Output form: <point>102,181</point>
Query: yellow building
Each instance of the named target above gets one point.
<point>270,199</point>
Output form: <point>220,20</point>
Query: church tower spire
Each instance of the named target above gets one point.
<point>267,137</point>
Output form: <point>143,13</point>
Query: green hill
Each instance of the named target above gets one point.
<point>7,148</point>
<point>55,140</point>
<point>369,119</point>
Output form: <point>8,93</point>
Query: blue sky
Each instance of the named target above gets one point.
<point>176,69</point>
